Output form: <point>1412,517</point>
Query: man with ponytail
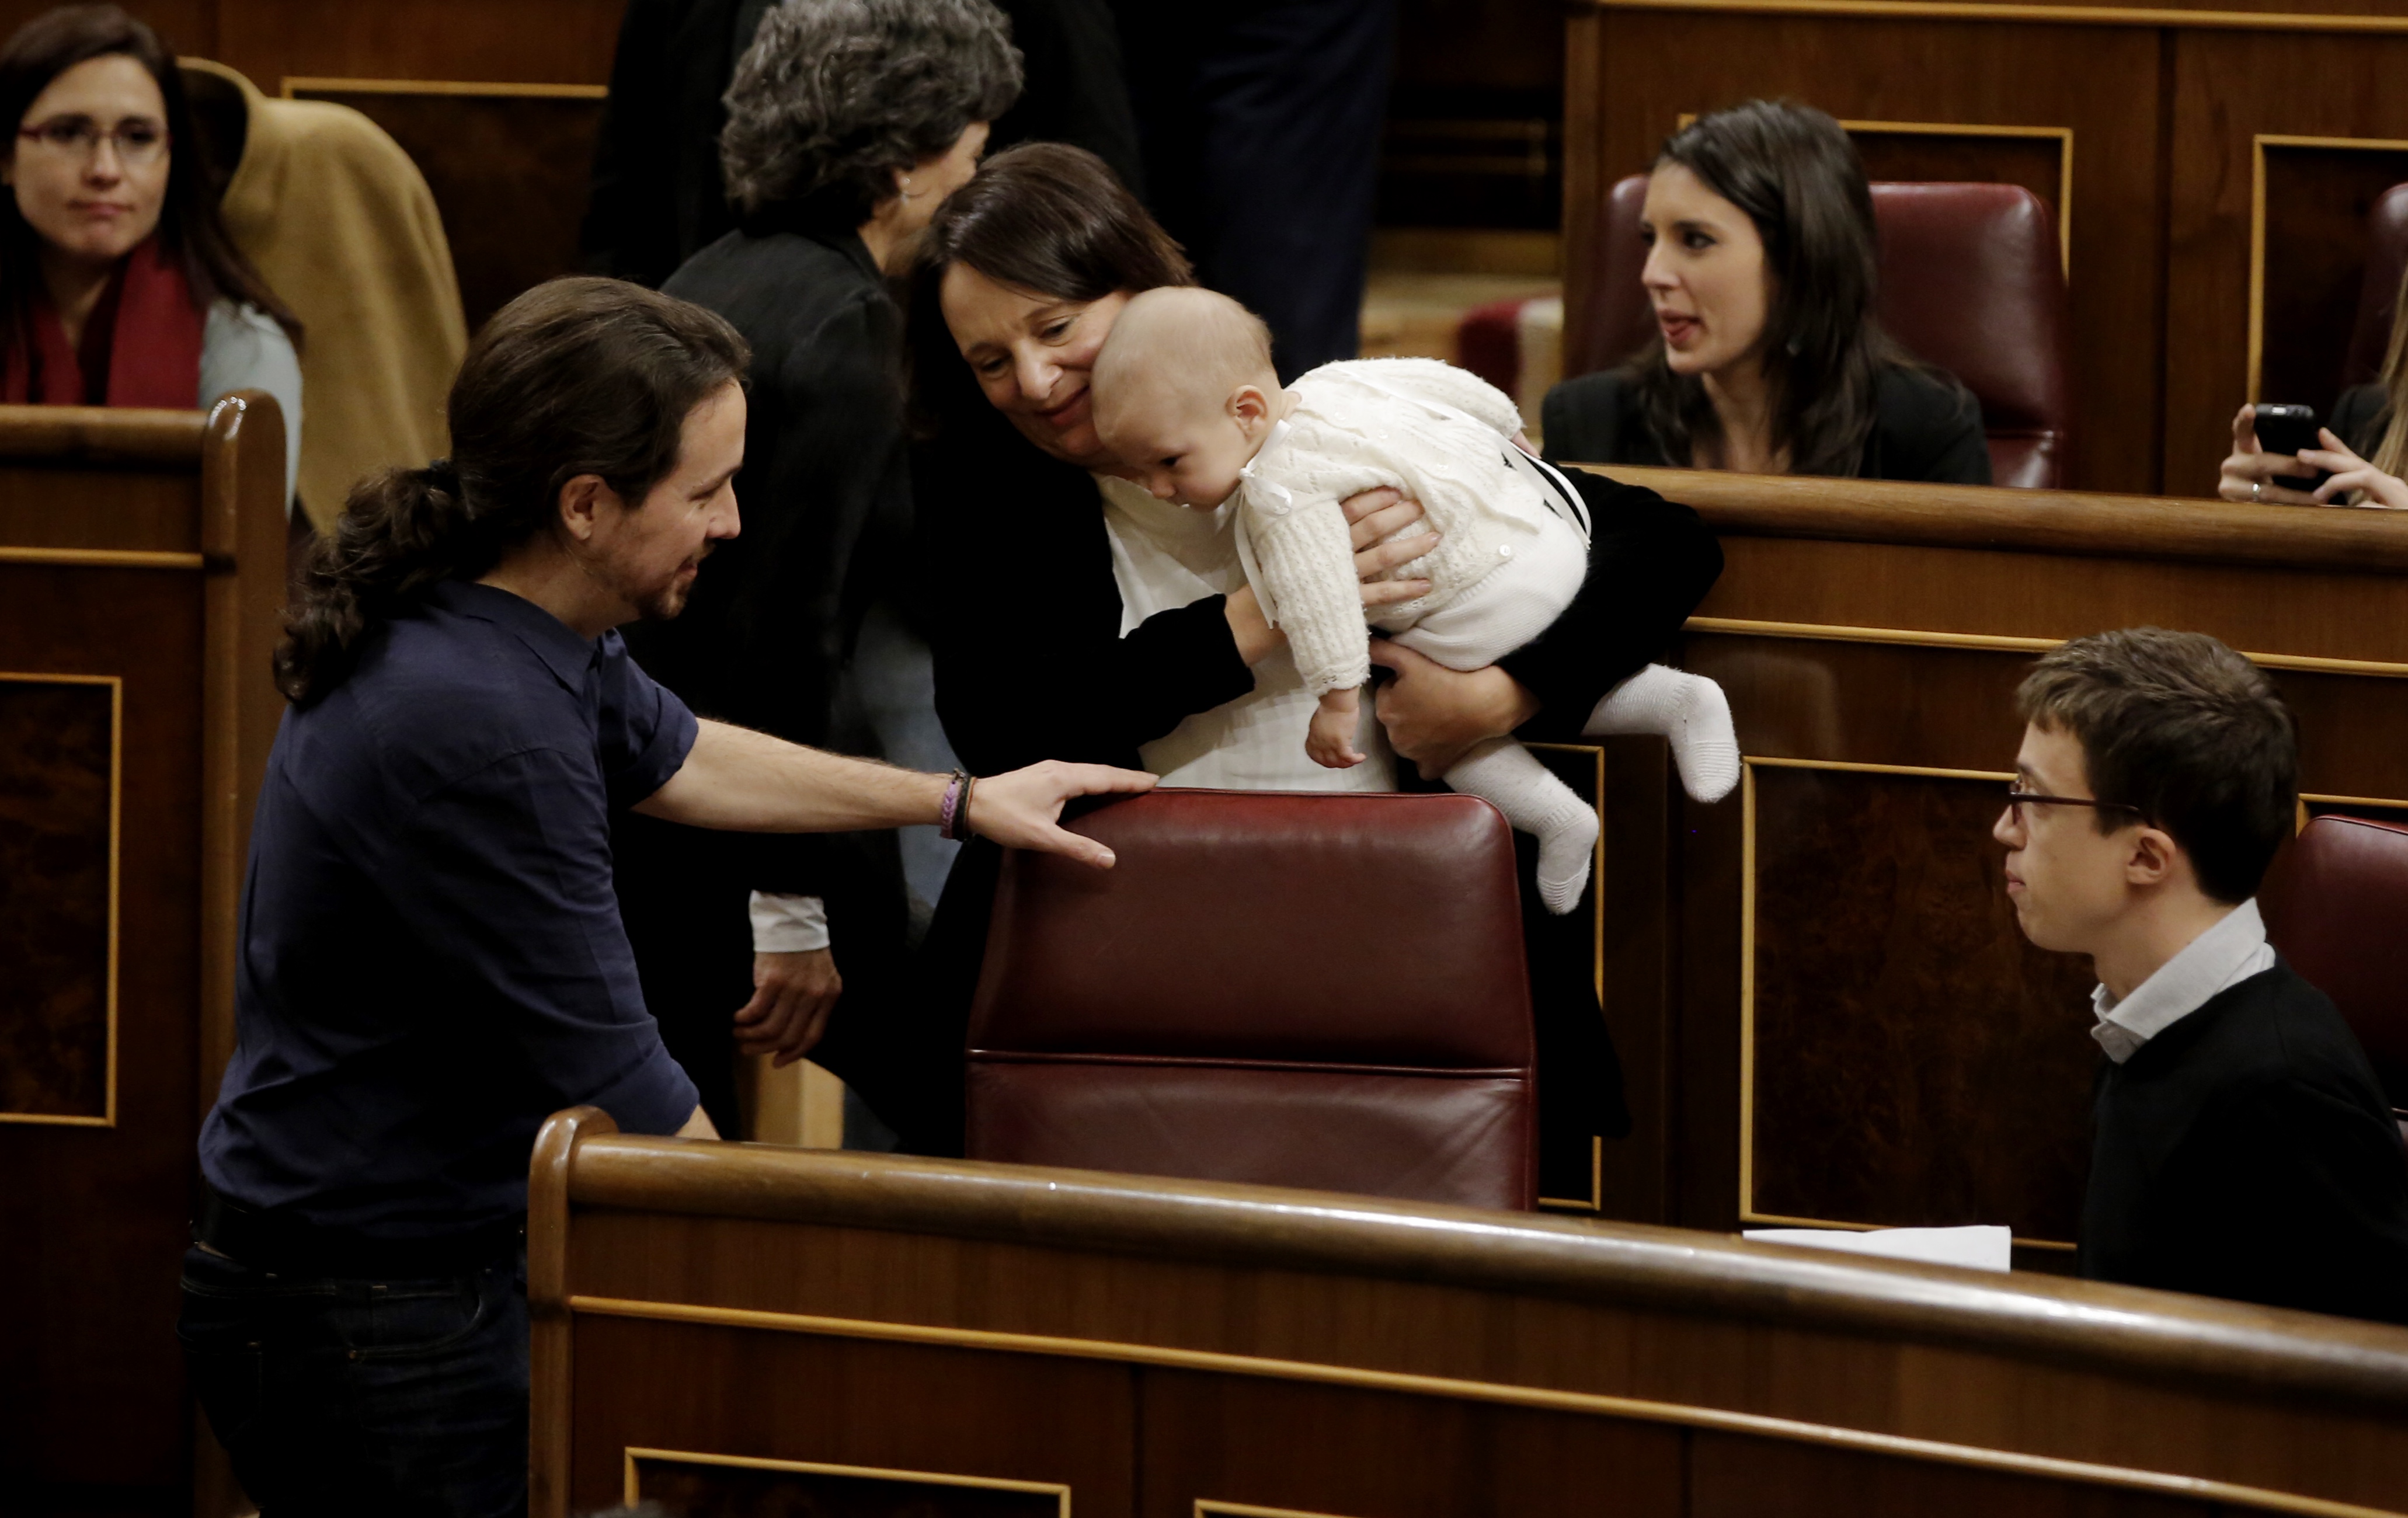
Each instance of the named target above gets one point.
<point>431,957</point>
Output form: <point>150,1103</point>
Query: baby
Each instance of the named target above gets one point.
<point>1185,395</point>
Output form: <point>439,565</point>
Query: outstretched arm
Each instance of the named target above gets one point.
<point>741,780</point>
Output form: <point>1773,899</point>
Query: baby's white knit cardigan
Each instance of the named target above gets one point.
<point>1441,436</point>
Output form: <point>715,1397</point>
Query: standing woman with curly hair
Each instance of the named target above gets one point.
<point>848,122</point>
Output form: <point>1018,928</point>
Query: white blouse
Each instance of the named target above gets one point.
<point>1166,556</point>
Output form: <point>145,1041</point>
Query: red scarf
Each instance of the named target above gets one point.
<point>141,345</point>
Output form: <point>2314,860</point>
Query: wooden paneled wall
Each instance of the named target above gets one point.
<point>1829,1014</point>
<point>519,41</point>
<point>747,1331</point>
<point>141,567</point>
<point>2214,166</point>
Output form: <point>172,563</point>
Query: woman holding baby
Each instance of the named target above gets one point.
<point>1082,616</point>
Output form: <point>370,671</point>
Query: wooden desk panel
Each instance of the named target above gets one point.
<point>1291,1352</point>
<point>141,554</point>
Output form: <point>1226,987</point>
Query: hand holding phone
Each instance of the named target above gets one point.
<point>2290,429</point>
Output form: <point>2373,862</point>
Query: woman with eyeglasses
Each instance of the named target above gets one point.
<point>118,284</point>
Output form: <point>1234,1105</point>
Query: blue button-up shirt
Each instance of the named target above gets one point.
<point>432,958</point>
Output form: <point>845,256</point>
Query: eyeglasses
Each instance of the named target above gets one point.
<point>139,142</point>
<point>2018,800</point>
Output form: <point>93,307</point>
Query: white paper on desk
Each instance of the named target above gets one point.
<point>1980,1246</point>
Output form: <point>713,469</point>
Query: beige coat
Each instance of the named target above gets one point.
<point>340,223</point>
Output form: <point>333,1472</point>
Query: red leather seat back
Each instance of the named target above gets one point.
<point>2335,904</point>
<point>1325,990</point>
<point>2378,295</point>
<point>1973,280</point>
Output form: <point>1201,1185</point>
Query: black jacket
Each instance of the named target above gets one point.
<point>824,498</point>
<point>2248,1152</point>
<point>1922,429</point>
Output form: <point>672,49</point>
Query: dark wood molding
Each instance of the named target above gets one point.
<point>549,1341</point>
<point>2141,1333</point>
<point>2034,520</point>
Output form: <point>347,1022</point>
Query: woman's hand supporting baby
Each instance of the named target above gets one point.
<point>1435,715</point>
<point>1370,517</point>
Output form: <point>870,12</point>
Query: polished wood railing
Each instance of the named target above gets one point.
<point>716,1321</point>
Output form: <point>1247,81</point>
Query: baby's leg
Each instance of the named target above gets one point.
<point>1503,772</point>
<point>1689,709</point>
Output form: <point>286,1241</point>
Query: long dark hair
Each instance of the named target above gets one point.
<point>190,230</point>
<point>1042,217</point>
<point>1792,171</point>
<point>579,376</point>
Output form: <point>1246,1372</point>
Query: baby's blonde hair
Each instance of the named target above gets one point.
<point>1189,342</point>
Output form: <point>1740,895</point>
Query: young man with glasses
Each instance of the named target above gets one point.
<point>2242,1146</point>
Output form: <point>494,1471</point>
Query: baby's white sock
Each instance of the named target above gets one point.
<point>1505,773</point>
<point>1689,709</point>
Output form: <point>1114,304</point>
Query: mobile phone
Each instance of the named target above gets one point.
<point>2287,429</point>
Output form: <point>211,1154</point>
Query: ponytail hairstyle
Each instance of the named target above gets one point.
<point>580,376</point>
<point>190,230</point>
<point>1793,172</point>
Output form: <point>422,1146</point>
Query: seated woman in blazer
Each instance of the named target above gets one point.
<point>1768,359</point>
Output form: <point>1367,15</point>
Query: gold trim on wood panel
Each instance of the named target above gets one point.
<point>2306,797</point>
<point>1748,766</point>
<point>2257,145</point>
<point>2206,20</point>
<point>1597,872</point>
<point>814,1467</point>
<point>1596,937</point>
<point>296,84</point>
<point>1596,1202</point>
<point>1897,1446</point>
<point>1206,1507</point>
<point>102,558</point>
<point>2002,643</point>
<point>108,1118</point>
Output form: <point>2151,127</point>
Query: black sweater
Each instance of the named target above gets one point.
<point>1923,429</point>
<point>1031,663</point>
<point>2248,1152</point>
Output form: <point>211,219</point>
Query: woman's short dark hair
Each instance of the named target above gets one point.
<point>2189,734</point>
<point>189,226</point>
<point>1794,173</point>
<point>835,96</point>
<point>579,376</point>
<point>1043,217</point>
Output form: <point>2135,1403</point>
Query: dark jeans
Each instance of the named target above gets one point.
<point>363,1397</point>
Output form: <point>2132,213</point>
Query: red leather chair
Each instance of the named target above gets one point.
<point>1321,991</point>
<point>2335,904</point>
<point>2378,295</point>
<point>1972,278</point>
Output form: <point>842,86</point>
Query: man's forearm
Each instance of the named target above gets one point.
<point>747,781</point>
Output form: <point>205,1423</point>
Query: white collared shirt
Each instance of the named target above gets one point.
<point>2224,955</point>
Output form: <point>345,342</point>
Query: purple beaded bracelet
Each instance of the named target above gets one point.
<point>954,810</point>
